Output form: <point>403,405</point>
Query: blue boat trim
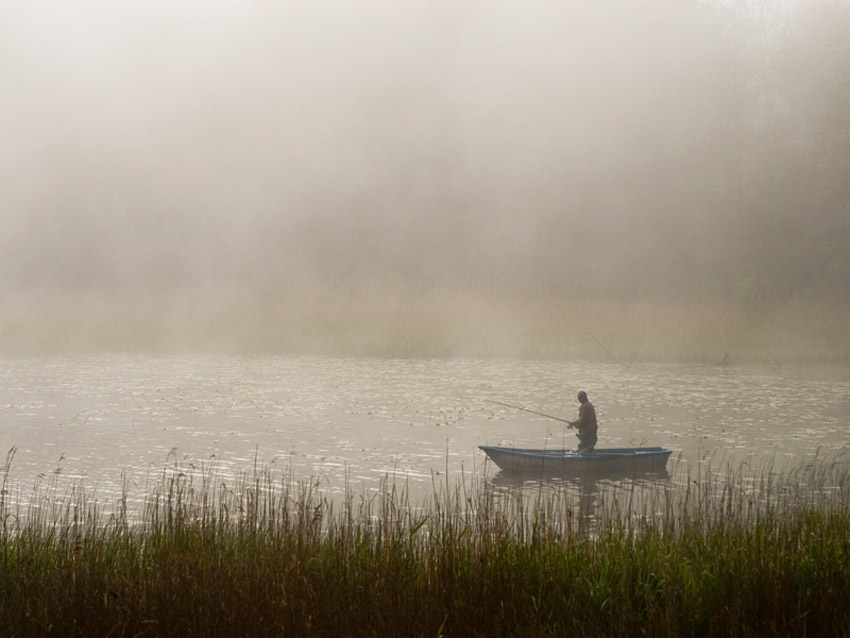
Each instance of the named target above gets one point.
<point>566,461</point>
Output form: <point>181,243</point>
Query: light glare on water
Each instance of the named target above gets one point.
<point>352,422</point>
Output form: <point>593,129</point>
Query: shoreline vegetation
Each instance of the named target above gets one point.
<point>800,332</point>
<point>732,552</point>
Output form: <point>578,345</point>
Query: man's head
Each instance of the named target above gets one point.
<point>582,396</point>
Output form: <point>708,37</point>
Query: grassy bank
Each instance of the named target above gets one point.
<point>444,324</point>
<point>751,554</point>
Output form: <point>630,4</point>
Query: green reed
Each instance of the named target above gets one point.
<point>740,551</point>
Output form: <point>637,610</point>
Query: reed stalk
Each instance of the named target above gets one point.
<point>735,551</point>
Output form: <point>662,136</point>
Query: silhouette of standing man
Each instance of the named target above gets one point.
<point>586,424</point>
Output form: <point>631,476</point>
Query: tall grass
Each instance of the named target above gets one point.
<point>730,552</point>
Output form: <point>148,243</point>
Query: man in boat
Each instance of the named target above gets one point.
<point>586,424</point>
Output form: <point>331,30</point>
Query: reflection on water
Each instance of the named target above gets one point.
<point>584,497</point>
<point>112,421</point>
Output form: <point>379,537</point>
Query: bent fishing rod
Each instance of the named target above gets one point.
<point>517,407</point>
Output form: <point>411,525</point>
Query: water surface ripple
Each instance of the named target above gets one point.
<point>113,420</point>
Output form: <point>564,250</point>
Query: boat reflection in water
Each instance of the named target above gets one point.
<point>580,494</point>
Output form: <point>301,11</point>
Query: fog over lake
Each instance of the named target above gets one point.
<point>322,234</point>
<point>177,175</point>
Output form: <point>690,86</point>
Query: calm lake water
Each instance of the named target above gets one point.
<point>352,422</point>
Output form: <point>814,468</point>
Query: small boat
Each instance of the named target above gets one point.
<point>617,459</point>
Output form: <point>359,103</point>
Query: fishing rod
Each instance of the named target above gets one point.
<point>517,407</point>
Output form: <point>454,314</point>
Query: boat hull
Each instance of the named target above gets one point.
<point>602,460</point>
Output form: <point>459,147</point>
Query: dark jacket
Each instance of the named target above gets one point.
<point>586,423</point>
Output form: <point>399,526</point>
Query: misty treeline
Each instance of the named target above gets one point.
<point>625,149</point>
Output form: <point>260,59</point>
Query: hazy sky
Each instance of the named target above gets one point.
<point>191,141</point>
